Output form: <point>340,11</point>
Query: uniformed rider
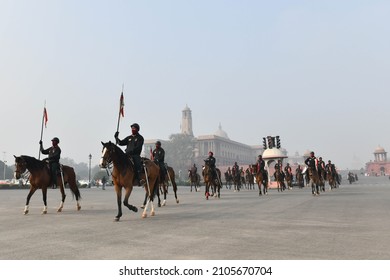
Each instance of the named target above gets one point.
<point>159,158</point>
<point>134,143</point>
<point>53,159</point>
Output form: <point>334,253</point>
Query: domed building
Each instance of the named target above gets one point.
<point>225,150</point>
<point>380,166</point>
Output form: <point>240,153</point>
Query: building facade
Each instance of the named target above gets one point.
<point>380,166</point>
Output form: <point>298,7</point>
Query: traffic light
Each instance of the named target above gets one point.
<point>270,144</point>
<point>264,143</point>
<point>277,142</point>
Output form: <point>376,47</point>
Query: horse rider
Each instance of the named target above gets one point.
<point>194,170</point>
<point>53,159</point>
<point>235,170</point>
<point>159,157</point>
<point>288,169</point>
<point>332,170</point>
<point>298,171</point>
<point>321,168</point>
<point>311,161</point>
<point>134,143</point>
<point>210,162</point>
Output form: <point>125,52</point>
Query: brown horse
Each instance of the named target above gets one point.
<point>289,179</point>
<point>331,179</point>
<point>211,181</point>
<point>194,180</point>
<point>40,179</point>
<point>164,181</point>
<point>279,178</point>
<point>299,178</point>
<point>314,180</point>
<point>261,179</point>
<point>123,176</point>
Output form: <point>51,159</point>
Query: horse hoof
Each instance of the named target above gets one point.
<point>142,206</point>
<point>44,212</point>
<point>177,201</point>
<point>59,210</point>
<point>78,208</point>
<point>164,203</point>
<point>116,219</point>
<point>144,215</point>
<point>25,212</point>
<point>152,213</point>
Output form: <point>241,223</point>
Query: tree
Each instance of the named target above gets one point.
<point>179,152</point>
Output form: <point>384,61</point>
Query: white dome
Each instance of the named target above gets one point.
<point>221,133</point>
<point>273,153</point>
<point>379,150</point>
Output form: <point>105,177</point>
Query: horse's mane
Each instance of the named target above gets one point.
<point>123,159</point>
<point>32,162</point>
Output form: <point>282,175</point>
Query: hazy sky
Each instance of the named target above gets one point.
<point>314,72</point>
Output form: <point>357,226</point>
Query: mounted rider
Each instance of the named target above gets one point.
<point>321,168</point>
<point>235,171</point>
<point>210,162</point>
<point>311,161</point>
<point>158,158</point>
<point>331,168</point>
<point>288,170</point>
<point>298,172</point>
<point>134,143</point>
<point>53,159</point>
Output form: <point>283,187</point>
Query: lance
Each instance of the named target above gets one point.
<point>44,121</point>
<point>121,109</point>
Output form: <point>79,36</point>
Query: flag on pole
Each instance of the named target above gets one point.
<point>151,154</point>
<point>45,117</point>
<point>122,106</point>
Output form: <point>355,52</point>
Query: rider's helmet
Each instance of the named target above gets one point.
<point>56,140</point>
<point>135,125</point>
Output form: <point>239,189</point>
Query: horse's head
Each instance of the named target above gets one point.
<point>106,158</point>
<point>20,167</point>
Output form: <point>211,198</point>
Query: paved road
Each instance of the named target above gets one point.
<point>351,222</point>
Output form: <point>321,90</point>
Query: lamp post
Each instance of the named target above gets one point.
<point>89,174</point>
<point>5,164</point>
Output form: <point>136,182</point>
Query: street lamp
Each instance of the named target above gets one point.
<point>5,165</point>
<point>89,176</point>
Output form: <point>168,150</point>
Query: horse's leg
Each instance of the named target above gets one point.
<point>174,186</point>
<point>119,202</point>
<point>145,200</point>
<point>32,191</point>
<point>126,200</point>
<point>63,196</point>
<point>44,195</point>
<point>165,194</point>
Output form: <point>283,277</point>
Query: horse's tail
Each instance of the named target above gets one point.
<point>71,180</point>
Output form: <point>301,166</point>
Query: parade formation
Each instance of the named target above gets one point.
<point>128,169</point>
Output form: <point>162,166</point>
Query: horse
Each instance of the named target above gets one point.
<point>164,181</point>
<point>279,178</point>
<point>123,175</point>
<point>289,179</point>
<point>40,179</point>
<point>210,182</point>
<point>194,180</point>
<point>314,180</point>
<point>299,178</point>
<point>250,178</point>
<point>229,180</point>
<point>261,180</point>
<point>331,179</point>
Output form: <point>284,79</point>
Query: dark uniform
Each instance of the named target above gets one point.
<point>159,157</point>
<point>53,159</point>
<point>311,161</point>
<point>321,168</point>
<point>210,162</point>
<point>134,143</point>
